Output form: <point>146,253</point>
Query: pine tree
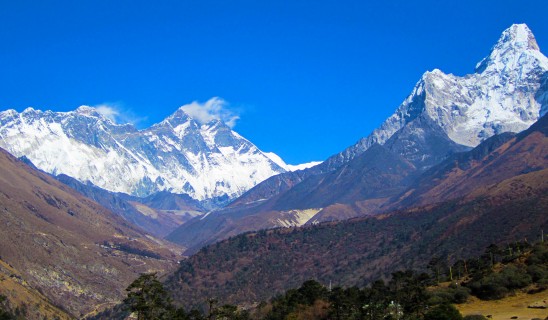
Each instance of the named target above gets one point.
<point>148,298</point>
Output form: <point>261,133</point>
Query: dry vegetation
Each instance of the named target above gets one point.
<point>509,307</point>
<point>66,248</point>
<point>258,265</point>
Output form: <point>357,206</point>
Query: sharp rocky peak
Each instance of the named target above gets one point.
<point>178,119</point>
<point>507,93</point>
<point>512,44</point>
<point>179,115</point>
<point>93,114</point>
<point>89,111</point>
<point>519,36</point>
<point>216,125</point>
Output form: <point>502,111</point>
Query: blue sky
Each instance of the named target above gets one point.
<point>305,79</point>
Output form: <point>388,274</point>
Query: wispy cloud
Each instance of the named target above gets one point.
<point>108,112</point>
<point>116,113</point>
<point>213,109</point>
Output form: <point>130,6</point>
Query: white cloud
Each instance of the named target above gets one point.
<point>117,114</point>
<point>108,111</point>
<point>302,166</point>
<point>290,167</point>
<point>213,109</point>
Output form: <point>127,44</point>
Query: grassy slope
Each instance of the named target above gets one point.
<point>21,295</point>
<point>508,307</point>
<point>75,252</point>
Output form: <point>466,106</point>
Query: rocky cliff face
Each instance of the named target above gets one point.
<point>507,93</point>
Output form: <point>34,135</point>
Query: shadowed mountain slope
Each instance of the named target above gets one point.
<point>258,265</point>
<point>495,193</point>
<point>496,159</point>
<point>158,214</point>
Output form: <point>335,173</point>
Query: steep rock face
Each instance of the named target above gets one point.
<point>271,187</point>
<point>423,143</point>
<point>481,169</point>
<point>507,93</point>
<point>376,173</point>
<point>498,158</point>
<point>206,161</point>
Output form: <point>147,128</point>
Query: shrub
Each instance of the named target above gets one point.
<point>515,278</point>
<point>539,273</point>
<point>488,289</point>
<point>4,314</point>
<point>456,294</point>
<point>497,285</point>
<point>443,312</point>
<point>539,254</point>
<point>474,317</point>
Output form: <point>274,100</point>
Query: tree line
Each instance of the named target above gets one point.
<point>408,295</point>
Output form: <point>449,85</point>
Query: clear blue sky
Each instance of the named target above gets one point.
<point>307,78</point>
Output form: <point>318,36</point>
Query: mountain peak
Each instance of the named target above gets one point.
<point>208,162</point>
<point>518,35</point>
<point>513,42</point>
<point>88,111</point>
<point>178,117</point>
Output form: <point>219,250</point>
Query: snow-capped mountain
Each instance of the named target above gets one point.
<point>179,154</point>
<point>444,115</point>
<point>507,93</point>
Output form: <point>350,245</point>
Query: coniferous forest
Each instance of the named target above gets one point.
<point>430,295</point>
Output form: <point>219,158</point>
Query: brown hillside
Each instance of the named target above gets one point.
<point>76,253</point>
<point>474,172</point>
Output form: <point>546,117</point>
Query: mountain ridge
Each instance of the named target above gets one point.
<point>444,114</point>
<point>206,161</point>
<point>412,106</point>
<point>499,196</point>
<point>498,158</point>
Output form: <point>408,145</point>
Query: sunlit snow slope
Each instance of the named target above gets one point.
<point>507,93</point>
<point>179,154</point>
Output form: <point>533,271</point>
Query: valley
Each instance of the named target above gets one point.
<point>91,209</point>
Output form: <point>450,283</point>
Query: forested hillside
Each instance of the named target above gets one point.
<point>256,266</point>
<point>516,268</point>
